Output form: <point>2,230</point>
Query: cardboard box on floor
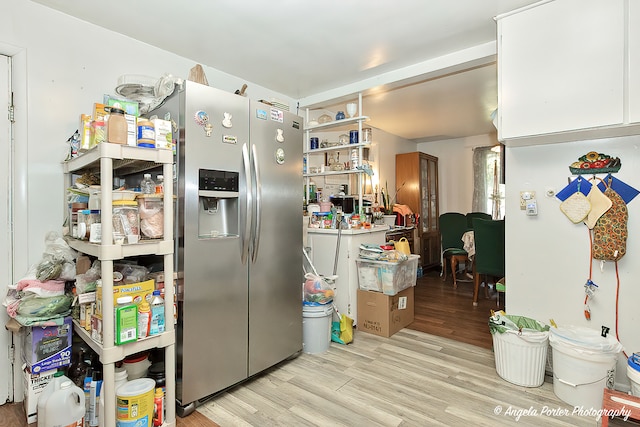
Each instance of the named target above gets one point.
<point>382,314</point>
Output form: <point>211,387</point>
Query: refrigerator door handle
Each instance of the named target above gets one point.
<point>248,203</point>
<point>258,204</point>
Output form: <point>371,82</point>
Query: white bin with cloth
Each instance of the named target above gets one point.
<point>520,347</point>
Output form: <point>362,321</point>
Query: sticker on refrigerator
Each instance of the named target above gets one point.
<point>280,156</point>
<point>279,135</point>
<point>277,115</point>
<point>261,114</point>
<point>229,139</point>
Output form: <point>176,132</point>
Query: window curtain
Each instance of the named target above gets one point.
<point>486,181</point>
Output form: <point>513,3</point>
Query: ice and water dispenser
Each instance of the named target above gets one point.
<point>218,204</point>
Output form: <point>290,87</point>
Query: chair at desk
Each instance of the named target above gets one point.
<point>489,257</point>
<point>471,215</point>
<point>452,227</point>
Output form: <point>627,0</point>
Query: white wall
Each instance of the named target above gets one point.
<point>70,65</point>
<point>455,169</point>
<point>548,258</point>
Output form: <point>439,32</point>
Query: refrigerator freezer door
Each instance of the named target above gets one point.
<point>214,318</point>
<point>275,295</point>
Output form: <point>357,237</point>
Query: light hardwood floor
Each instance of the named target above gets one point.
<point>410,379</point>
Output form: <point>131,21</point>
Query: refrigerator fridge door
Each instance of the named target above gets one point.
<point>275,270</point>
<point>212,331</point>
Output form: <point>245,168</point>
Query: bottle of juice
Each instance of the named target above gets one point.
<point>144,319</point>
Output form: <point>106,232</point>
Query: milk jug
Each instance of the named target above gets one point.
<point>64,407</point>
<point>54,385</point>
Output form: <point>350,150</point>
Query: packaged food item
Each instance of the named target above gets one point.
<point>126,220</point>
<point>151,208</point>
<point>117,127</point>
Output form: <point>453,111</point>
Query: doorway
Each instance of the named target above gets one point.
<point>6,369</point>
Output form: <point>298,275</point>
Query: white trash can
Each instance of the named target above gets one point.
<point>521,357</point>
<point>520,346</point>
<point>584,364</point>
<point>316,328</point>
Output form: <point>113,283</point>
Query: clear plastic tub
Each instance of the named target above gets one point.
<point>126,220</point>
<point>387,277</point>
<point>151,208</point>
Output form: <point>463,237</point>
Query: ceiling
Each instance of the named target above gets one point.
<point>426,67</point>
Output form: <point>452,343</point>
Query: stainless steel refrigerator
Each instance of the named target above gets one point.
<point>238,238</point>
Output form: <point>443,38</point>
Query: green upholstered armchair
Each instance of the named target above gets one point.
<point>489,257</point>
<point>452,226</point>
<point>472,215</point>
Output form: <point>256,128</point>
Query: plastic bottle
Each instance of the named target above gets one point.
<point>94,398</point>
<point>157,314</point>
<point>117,127</point>
<point>144,319</point>
<point>86,388</point>
<point>158,407</point>
<point>65,406</point>
<point>159,184</point>
<point>54,385</point>
<point>147,186</point>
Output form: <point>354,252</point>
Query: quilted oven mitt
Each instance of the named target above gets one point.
<point>576,207</point>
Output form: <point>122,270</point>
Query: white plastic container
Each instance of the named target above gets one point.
<point>137,366</point>
<point>54,385</point>
<point>64,406</point>
<point>633,373</point>
<point>521,358</point>
<point>135,403</point>
<point>316,328</point>
<point>584,364</point>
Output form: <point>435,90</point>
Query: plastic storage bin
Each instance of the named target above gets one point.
<point>387,277</point>
<point>126,221</point>
<point>151,208</point>
<point>584,364</point>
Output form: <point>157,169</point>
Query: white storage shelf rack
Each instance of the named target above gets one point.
<point>336,125</point>
<point>105,159</point>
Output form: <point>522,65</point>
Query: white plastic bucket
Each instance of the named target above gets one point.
<point>521,357</point>
<point>633,373</point>
<point>316,328</point>
<point>584,364</point>
<point>135,403</point>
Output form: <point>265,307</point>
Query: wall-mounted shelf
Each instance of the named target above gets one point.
<point>343,124</point>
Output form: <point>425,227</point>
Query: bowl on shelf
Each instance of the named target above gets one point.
<point>325,118</point>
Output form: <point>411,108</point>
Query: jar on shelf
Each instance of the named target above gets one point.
<point>117,128</point>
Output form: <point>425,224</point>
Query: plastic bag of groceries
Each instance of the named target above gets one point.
<point>316,290</point>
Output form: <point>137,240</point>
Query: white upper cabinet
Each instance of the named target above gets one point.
<point>634,61</point>
<point>562,71</point>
